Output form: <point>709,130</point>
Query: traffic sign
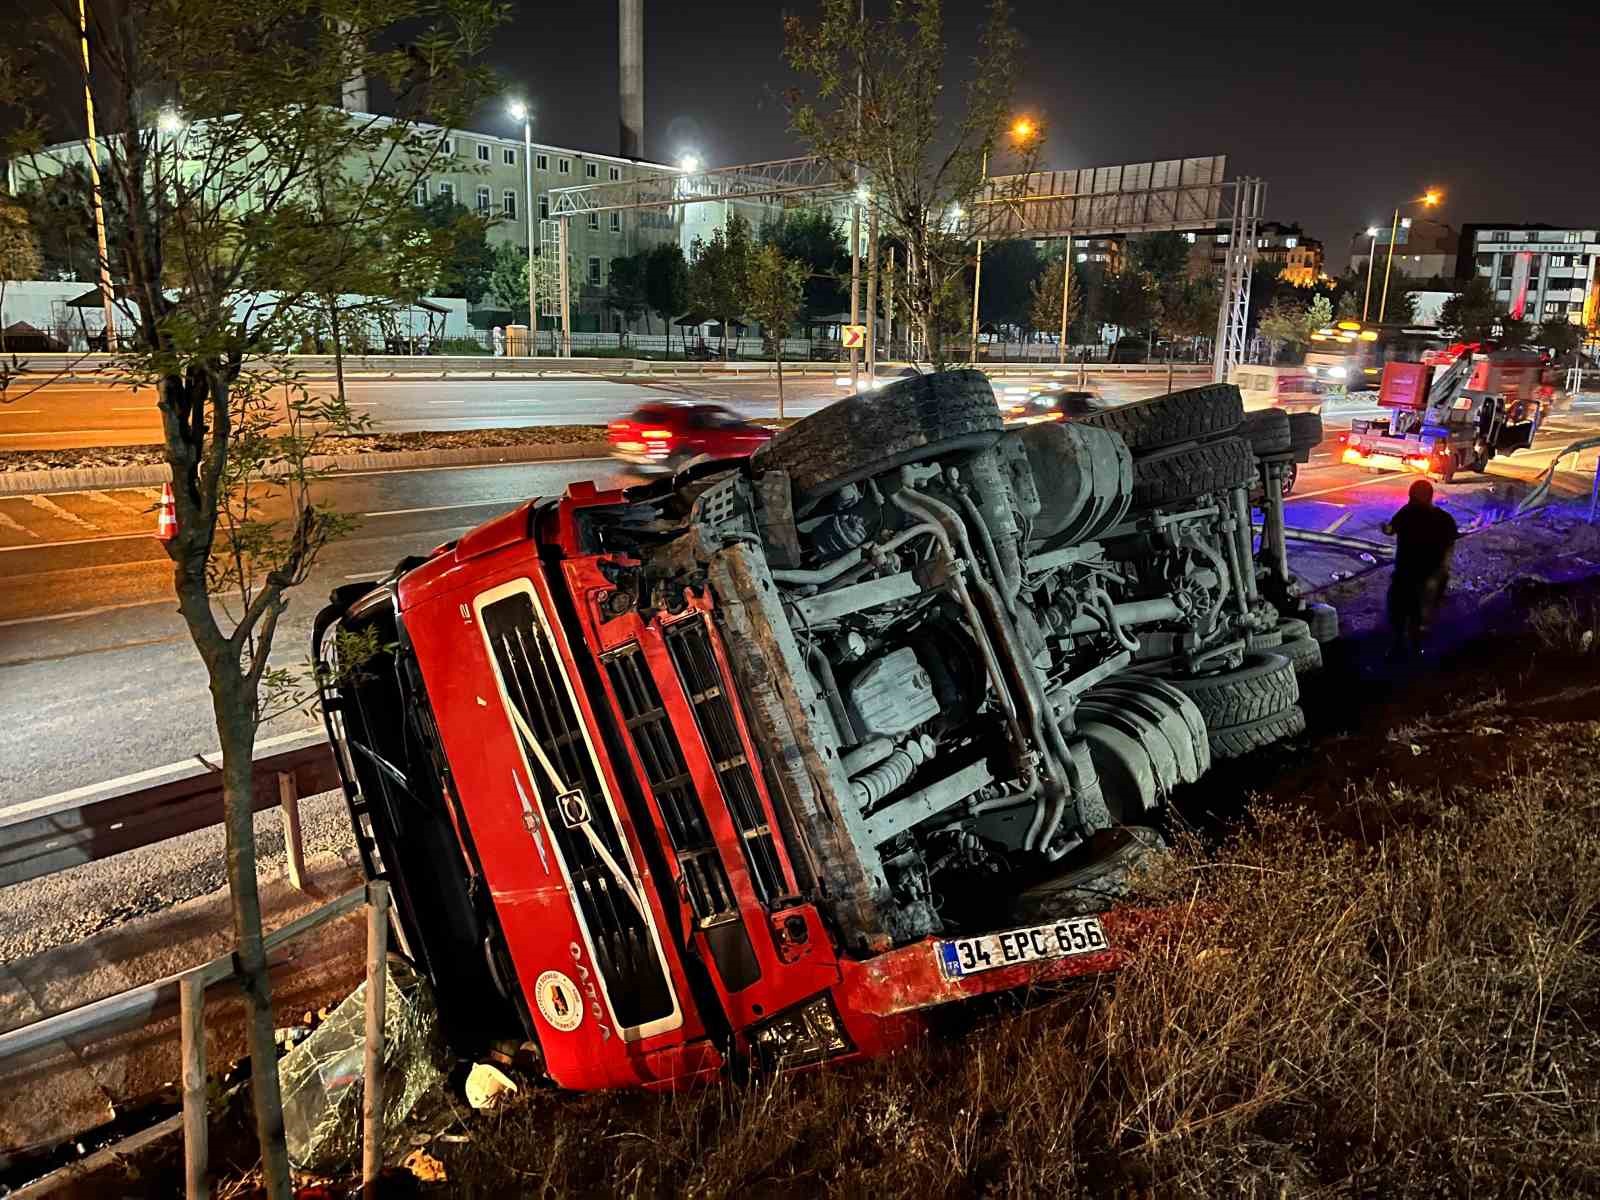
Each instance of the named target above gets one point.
<point>853,337</point>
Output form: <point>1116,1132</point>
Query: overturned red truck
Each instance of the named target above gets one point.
<point>757,764</point>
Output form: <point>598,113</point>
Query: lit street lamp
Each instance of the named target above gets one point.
<point>689,164</point>
<point>523,113</point>
<point>1428,199</point>
<point>1021,130</point>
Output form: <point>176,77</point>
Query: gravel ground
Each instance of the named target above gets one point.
<point>71,905</point>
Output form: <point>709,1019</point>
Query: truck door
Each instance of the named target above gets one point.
<point>1520,424</point>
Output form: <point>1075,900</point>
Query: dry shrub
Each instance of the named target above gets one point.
<point>1414,1017</point>
<point>1569,626</point>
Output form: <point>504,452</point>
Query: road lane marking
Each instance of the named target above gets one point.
<point>532,462</point>
<point>1338,522</point>
<point>149,408</point>
<point>87,612</point>
<point>15,527</point>
<point>106,537</point>
<point>21,412</point>
<point>1344,487</point>
<point>446,401</point>
<point>51,509</point>
<point>60,433</point>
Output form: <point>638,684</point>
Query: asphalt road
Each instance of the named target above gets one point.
<point>97,677</point>
<point>62,416</point>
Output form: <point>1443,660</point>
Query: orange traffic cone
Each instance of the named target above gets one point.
<point>167,517</point>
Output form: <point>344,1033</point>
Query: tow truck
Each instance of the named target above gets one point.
<point>1455,410</point>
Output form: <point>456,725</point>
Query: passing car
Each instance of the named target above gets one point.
<point>757,766</point>
<point>665,436</point>
<point>1292,389</point>
<point>1054,404</point>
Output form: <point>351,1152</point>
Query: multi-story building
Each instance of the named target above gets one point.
<point>486,173</point>
<point>1298,258</point>
<point>1423,248</point>
<point>1539,272</point>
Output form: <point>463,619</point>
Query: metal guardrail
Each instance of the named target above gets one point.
<point>88,824</point>
<point>75,368</point>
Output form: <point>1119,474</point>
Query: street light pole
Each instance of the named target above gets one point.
<point>94,185</point>
<point>977,270</point>
<point>1388,264</point>
<point>1372,266</point>
<point>521,110</point>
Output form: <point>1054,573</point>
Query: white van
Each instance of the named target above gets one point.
<point>1292,389</point>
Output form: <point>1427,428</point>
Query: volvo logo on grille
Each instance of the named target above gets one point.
<point>574,808</point>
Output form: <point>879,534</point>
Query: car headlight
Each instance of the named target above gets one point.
<point>807,1033</point>
<point>1337,372</point>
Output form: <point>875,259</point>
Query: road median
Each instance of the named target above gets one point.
<point>35,472</point>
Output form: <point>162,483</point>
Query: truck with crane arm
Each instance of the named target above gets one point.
<point>1455,410</point>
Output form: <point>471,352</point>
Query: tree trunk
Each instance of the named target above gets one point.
<point>236,728</point>
<point>777,357</point>
<point>338,344</point>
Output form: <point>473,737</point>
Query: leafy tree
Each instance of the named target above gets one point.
<point>242,214</point>
<point>470,260</point>
<point>62,216</point>
<point>923,149</point>
<point>1129,300</point>
<point>666,283</point>
<point>1164,257</point>
<point>1471,314</point>
<point>815,240</point>
<point>1289,324</point>
<point>1190,309</point>
<point>1044,307</point>
<point>1010,270</point>
<point>508,280</point>
<point>719,273</point>
<point>19,252</point>
<point>1559,336</point>
<point>625,289</point>
<point>776,287</point>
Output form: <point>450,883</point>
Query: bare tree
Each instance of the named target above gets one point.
<point>874,99</point>
<point>250,203</point>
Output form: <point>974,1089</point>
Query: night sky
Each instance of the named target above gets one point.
<point>1343,113</point>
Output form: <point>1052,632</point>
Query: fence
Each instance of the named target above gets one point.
<point>87,824</point>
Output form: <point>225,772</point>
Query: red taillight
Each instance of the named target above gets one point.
<point>656,435</point>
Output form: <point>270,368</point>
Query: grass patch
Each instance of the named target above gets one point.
<point>1413,1014</point>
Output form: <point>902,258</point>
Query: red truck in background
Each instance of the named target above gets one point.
<point>761,763</point>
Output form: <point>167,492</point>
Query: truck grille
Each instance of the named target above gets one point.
<point>690,646</point>
<point>668,775</point>
<point>611,907</point>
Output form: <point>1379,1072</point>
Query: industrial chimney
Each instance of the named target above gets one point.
<point>630,70</point>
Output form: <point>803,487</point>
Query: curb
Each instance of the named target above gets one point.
<point>72,479</point>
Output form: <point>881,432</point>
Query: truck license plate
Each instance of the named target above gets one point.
<point>1059,939</point>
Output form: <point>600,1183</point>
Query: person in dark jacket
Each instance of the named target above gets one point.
<point>1423,536</point>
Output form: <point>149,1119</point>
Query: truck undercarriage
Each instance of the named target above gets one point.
<point>938,679</point>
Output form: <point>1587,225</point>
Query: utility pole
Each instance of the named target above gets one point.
<point>855,213</point>
<point>977,271</point>
<point>533,245</point>
<point>1066,292</point>
<point>94,185</point>
<point>566,293</point>
<point>888,304</point>
<point>872,295</point>
<point>1372,265</point>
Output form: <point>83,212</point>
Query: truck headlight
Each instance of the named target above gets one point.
<point>807,1033</point>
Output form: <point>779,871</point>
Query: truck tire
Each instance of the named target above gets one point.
<point>1264,686</point>
<point>1184,472</point>
<point>864,434</point>
<point>1323,620</point>
<point>1267,431</point>
<point>1187,416</point>
<point>1305,433</point>
<point>1304,652</point>
<point>1238,740</point>
<point>1098,879</point>
<point>1270,640</point>
<point>1293,627</point>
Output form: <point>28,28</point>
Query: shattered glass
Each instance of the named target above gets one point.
<point>321,1077</point>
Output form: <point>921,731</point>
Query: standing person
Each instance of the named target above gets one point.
<point>1423,537</point>
<point>498,335</point>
